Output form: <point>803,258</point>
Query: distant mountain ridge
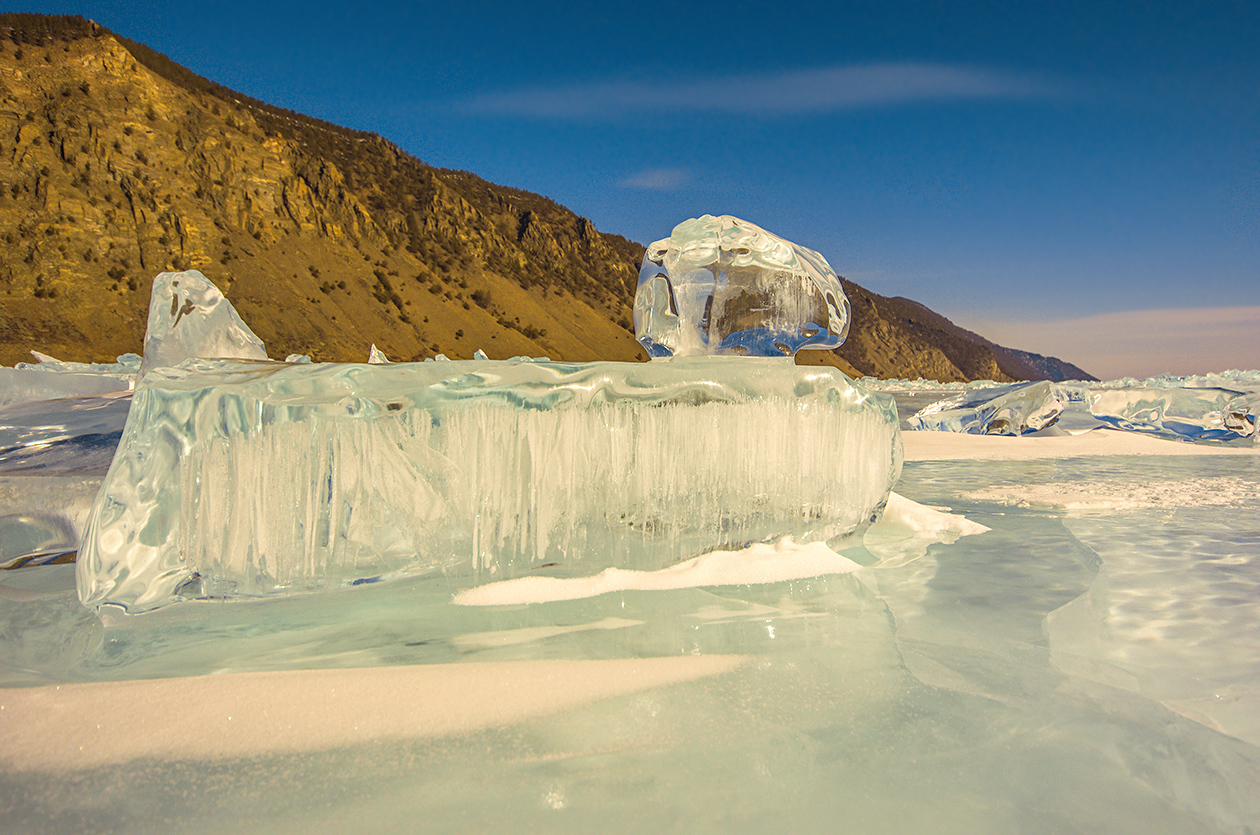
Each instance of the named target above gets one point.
<point>1019,365</point>
<point>116,163</point>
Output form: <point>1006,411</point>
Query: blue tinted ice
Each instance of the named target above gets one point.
<point>52,457</point>
<point>721,285</point>
<point>1175,408</point>
<point>1194,414</point>
<point>189,317</point>
<point>253,479</point>
<point>1004,410</point>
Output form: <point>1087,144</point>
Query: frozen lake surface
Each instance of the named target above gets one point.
<point>1091,663</point>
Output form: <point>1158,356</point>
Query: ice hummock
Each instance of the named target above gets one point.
<point>189,317</point>
<point>245,479</point>
<point>1005,410</point>
<point>721,285</point>
<point>1195,414</point>
<point>1165,408</point>
<point>33,384</point>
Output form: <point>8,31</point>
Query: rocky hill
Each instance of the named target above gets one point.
<point>117,164</point>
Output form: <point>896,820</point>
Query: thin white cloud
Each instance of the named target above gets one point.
<point>657,179</point>
<point>1141,343</point>
<point>822,90</point>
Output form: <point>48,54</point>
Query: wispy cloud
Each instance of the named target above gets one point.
<point>826,89</point>
<point>657,179</point>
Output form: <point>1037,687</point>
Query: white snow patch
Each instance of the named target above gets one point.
<point>758,563</point>
<point>926,522</point>
<point>904,533</point>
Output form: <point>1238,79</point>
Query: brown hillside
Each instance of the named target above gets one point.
<point>325,239</point>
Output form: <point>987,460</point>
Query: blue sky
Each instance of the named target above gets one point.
<point>1022,168</point>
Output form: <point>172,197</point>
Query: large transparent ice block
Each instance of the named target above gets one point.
<point>239,478</point>
<point>721,285</point>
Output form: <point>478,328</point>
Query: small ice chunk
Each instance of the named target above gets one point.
<point>189,317</point>
<point>304,359</point>
<point>376,356</point>
<point>480,355</point>
<point>721,285</point>
<point>1005,410</point>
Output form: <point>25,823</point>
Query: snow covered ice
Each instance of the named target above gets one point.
<point>721,285</point>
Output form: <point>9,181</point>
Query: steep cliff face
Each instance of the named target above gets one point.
<point>111,172</point>
<point>117,164</point>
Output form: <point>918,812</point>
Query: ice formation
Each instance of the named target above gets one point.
<point>1194,414</point>
<point>28,385</point>
<point>476,467</point>
<point>1164,408</point>
<point>124,367</point>
<point>189,317</point>
<point>721,285</point>
<point>1005,410</point>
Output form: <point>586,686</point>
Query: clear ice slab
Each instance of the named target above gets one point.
<point>251,479</point>
<point>721,285</point>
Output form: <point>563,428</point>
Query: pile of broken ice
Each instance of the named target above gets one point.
<point>1190,409</point>
<point>240,476</point>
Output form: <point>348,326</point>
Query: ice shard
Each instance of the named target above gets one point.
<point>721,285</point>
<point>189,317</point>
<point>1004,410</point>
<point>250,479</point>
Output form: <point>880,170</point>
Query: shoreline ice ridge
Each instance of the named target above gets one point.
<point>1199,413</point>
